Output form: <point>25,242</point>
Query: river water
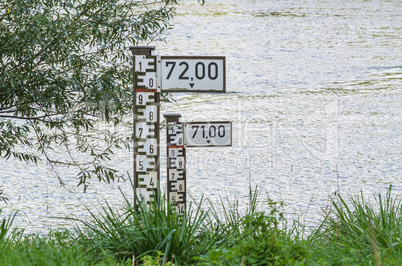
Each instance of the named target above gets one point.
<point>314,90</point>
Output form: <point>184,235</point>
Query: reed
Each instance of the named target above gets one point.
<point>6,234</point>
<point>370,231</point>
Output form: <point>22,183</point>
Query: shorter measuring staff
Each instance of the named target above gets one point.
<point>176,170</point>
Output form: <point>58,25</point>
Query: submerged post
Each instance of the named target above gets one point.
<point>176,163</point>
<point>146,99</point>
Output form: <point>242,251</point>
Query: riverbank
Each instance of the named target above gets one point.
<point>356,229</point>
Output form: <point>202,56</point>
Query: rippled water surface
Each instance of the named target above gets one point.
<point>314,90</point>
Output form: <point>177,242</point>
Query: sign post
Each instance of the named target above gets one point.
<point>146,126</point>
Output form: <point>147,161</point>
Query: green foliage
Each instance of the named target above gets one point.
<point>256,238</point>
<point>65,66</point>
<point>158,259</point>
<point>266,243</point>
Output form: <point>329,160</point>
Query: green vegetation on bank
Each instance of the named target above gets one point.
<point>355,231</point>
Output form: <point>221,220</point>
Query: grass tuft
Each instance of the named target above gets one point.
<point>363,230</point>
<point>149,231</point>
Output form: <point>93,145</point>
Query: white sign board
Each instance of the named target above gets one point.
<point>193,73</point>
<point>207,134</point>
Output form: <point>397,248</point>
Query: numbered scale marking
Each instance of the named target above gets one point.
<point>176,155</point>
<point>146,128</point>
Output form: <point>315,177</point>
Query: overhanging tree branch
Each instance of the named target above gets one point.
<point>65,69</point>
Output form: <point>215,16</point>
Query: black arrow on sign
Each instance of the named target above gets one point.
<point>192,85</point>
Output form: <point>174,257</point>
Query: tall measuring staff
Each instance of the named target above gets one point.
<point>146,125</point>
